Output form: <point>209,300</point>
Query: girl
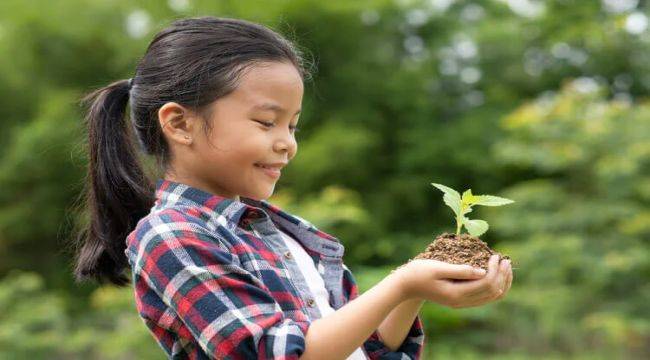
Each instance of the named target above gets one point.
<point>218,271</point>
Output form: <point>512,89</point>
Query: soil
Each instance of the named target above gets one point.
<point>462,250</point>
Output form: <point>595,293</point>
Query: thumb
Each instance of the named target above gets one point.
<point>454,271</point>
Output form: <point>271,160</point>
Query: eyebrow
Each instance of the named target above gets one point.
<point>273,107</point>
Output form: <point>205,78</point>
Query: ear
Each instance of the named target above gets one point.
<point>178,124</point>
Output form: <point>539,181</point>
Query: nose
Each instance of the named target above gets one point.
<point>286,142</point>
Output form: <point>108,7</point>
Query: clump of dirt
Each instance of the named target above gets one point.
<point>463,250</point>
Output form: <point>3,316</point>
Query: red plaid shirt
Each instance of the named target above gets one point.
<point>211,282</point>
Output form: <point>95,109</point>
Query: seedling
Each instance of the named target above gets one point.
<point>462,205</point>
<point>463,248</point>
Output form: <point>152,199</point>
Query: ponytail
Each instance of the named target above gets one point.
<point>118,191</point>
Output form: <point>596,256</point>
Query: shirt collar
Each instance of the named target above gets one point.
<point>241,213</point>
<point>170,193</point>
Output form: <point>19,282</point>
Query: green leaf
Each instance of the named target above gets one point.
<point>489,200</point>
<point>475,227</point>
<point>467,193</point>
<point>467,196</point>
<point>448,190</point>
<point>453,203</point>
<point>451,198</point>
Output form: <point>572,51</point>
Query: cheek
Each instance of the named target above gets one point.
<point>223,141</point>
<point>243,152</point>
<point>236,148</point>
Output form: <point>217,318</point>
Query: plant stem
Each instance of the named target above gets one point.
<point>458,220</point>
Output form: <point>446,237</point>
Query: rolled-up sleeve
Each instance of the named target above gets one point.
<point>228,311</point>
<point>412,346</point>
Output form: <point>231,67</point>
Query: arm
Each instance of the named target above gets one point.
<point>411,346</point>
<point>230,312</point>
<point>337,335</point>
<point>394,329</point>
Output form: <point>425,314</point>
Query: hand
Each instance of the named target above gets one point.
<point>493,287</point>
<point>433,280</point>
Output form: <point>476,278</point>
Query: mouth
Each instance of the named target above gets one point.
<point>271,171</point>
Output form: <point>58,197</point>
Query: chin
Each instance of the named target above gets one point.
<point>260,195</point>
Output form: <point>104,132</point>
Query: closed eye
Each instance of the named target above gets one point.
<point>270,124</point>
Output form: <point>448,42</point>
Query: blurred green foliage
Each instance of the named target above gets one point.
<point>544,103</point>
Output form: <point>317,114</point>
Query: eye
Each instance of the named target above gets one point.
<point>270,124</point>
<point>265,123</point>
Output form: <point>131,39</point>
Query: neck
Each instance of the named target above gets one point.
<point>201,185</point>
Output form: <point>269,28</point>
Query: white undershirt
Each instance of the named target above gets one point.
<point>315,283</point>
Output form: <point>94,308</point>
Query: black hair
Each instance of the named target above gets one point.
<point>193,62</point>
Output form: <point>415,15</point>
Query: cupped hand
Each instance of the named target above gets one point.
<point>438,282</point>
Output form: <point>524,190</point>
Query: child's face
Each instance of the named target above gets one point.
<point>224,162</point>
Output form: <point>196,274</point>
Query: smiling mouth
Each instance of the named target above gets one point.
<point>271,172</point>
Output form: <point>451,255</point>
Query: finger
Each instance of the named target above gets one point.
<point>512,275</point>
<point>454,271</point>
<point>480,287</point>
<point>502,286</point>
<point>491,281</point>
<point>483,287</point>
<point>509,279</point>
<point>483,295</point>
<point>494,278</point>
<point>503,273</point>
<point>493,267</point>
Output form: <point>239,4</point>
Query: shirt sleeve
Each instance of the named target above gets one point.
<point>229,311</point>
<point>374,346</point>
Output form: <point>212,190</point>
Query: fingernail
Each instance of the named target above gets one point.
<point>508,262</point>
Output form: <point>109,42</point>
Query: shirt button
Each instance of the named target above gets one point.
<point>310,302</point>
<point>287,254</point>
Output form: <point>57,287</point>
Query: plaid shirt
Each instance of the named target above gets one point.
<point>212,279</point>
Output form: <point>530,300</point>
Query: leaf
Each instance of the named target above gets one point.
<point>451,198</point>
<point>447,190</point>
<point>489,200</point>
<point>475,227</point>
<point>453,203</point>
<point>468,198</point>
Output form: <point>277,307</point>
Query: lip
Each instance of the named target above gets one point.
<point>273,173</point>
<point>276,165</point>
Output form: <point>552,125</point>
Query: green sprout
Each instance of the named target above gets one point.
<point>463,205</point>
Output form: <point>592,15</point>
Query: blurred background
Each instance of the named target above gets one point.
<point>542,102</point>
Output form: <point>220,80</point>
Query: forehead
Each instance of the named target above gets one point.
<point>273,82</point>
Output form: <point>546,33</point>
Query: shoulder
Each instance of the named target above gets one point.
<point>167,221</point>
<point>303,221</point>
<point>172,228</point>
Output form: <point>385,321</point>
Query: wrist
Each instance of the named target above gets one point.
<point>398,283</point>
